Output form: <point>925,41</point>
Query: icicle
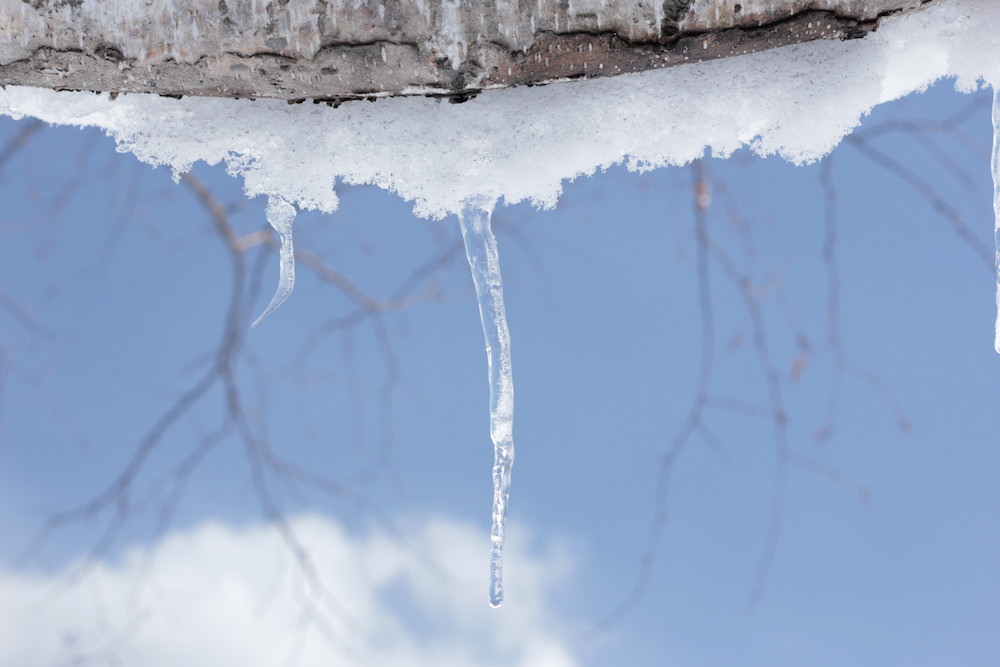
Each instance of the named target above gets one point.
<point>996,205</point>
<point>481,249</point>
<point>281,214</point>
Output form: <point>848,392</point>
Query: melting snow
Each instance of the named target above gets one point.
<point>522,144</point>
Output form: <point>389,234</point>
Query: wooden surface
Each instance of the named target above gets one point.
<point>333,51</point>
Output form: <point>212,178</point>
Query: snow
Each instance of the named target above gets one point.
<point>521,145</point>
<point>481,250</point>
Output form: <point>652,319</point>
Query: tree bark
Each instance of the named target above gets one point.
<point>337,50</point>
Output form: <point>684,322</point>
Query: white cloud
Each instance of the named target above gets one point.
<point>217,595</point>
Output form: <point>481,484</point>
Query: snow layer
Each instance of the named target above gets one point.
<point>516,145</point>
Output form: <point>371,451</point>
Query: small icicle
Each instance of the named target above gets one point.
<point>996,205</point>
<point>281,214</point>
<point>481,249</point>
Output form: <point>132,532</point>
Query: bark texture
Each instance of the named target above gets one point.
<point>336,50</point>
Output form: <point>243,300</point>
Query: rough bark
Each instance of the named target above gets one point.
<point>336,50</point>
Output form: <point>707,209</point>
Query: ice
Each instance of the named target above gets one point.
<point>281,214</point>
<point>481,249</point>
<point>996,204</point>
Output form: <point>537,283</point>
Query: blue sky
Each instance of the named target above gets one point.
<point>116,289</point>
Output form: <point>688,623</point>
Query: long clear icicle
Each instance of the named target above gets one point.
<point>281,214</point>
<point>996,205</point>
<point>481,249</point>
